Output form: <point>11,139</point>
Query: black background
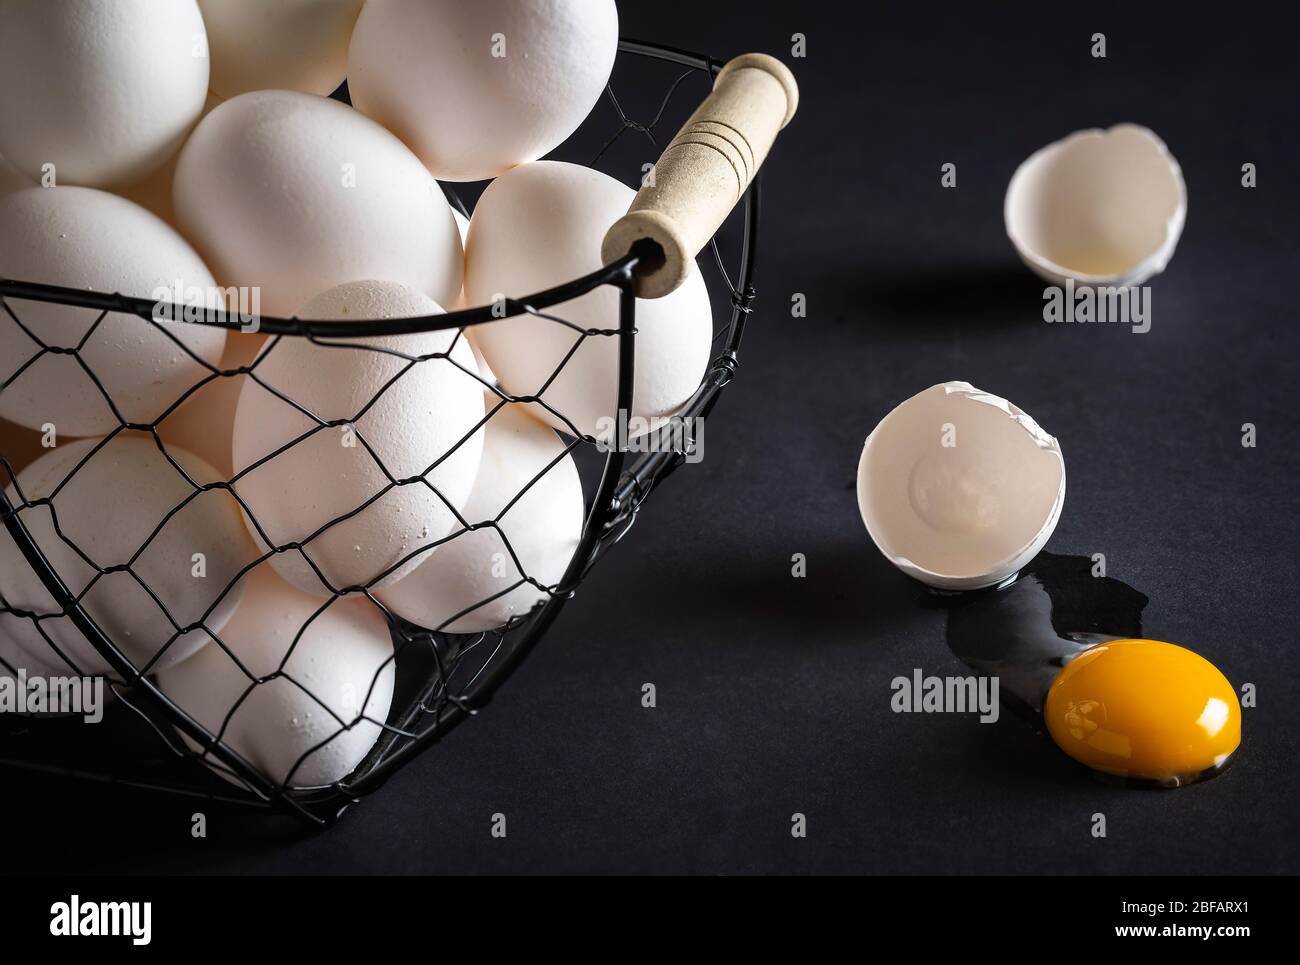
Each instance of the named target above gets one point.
<point>773,692</point>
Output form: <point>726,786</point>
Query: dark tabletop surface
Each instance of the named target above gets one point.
<point>773,692</point>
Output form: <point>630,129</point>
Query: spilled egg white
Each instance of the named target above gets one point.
<point>424,423</point>
<point>314,721</point>
<point>529,494</point>
<point>113,499</point>
<point>99,94</point>
<point>297,45</point>
<point>959,488</point>
<point>1099,207</point>
<point>541,225</point>
<point>478,88</point>
<point>84,238</point>
<point>295,194</point>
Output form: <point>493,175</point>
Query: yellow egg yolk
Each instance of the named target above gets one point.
<point>1144,709</point>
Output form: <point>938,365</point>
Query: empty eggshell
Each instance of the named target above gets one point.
<point>423,424</point>
<point>108,510</point>
<point>959,488</point>
<point>477,88</point>
<point>104,92</point>
<point>315,721</point>
<point>541,225</point>
<point>84,238</point>
<point>295,194</point>
<point>528,485</point>
<point>285,45</point>
<point>1099,207</point>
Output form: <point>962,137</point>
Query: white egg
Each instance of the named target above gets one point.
<point>84,238</point>
<point>315,721</point>
<point>476,88</point>
<point>104,92</point>
<point>423,424</point>
<point>295,194</point>
<point>283,45</point>
<point>108,510</point>
<point>539,226</point>
<point>528,487</point>
<point>205,423</point>
<point>959,488</point>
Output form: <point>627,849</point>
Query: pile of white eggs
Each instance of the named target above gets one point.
<point>190,145</point>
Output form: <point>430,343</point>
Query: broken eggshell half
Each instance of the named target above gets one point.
<point>1099,207</point>
<point>959,488</point>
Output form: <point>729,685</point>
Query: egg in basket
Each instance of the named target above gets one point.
<point>300,461</point>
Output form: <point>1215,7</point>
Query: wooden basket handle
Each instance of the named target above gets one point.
<point>705,171</point>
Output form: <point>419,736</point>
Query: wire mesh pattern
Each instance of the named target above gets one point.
<point>432,679</point>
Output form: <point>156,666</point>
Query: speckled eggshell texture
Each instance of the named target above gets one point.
<point>84,238</point>
<point>295,194</point>
<point>104,92</point>
<point>528,486</point>
<point>292,727</point>
<point>542,225</point>
<point>428,415</point>
<point>108,509</point>
<point>477,88</point>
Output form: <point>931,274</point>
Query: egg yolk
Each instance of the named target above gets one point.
<point>1144,709</point>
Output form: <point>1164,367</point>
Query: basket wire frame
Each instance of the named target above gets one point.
<point>455,675</point>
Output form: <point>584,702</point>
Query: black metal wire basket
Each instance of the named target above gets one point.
<point>440,678</point>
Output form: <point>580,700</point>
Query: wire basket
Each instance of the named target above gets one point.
<point>438,678</point>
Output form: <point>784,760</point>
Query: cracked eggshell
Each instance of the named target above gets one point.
<point>1099,207</point>
<point>283,45</point>
<point>340,670</point>
<point>105,92</point>
<point>541,225</point>
<point>108,509</point>
<point>84,238</point>
<point>295,194</point>
<point>477,88</point>
<point>418,420</point>
<point>959,488</point>
<point>529,486</point>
